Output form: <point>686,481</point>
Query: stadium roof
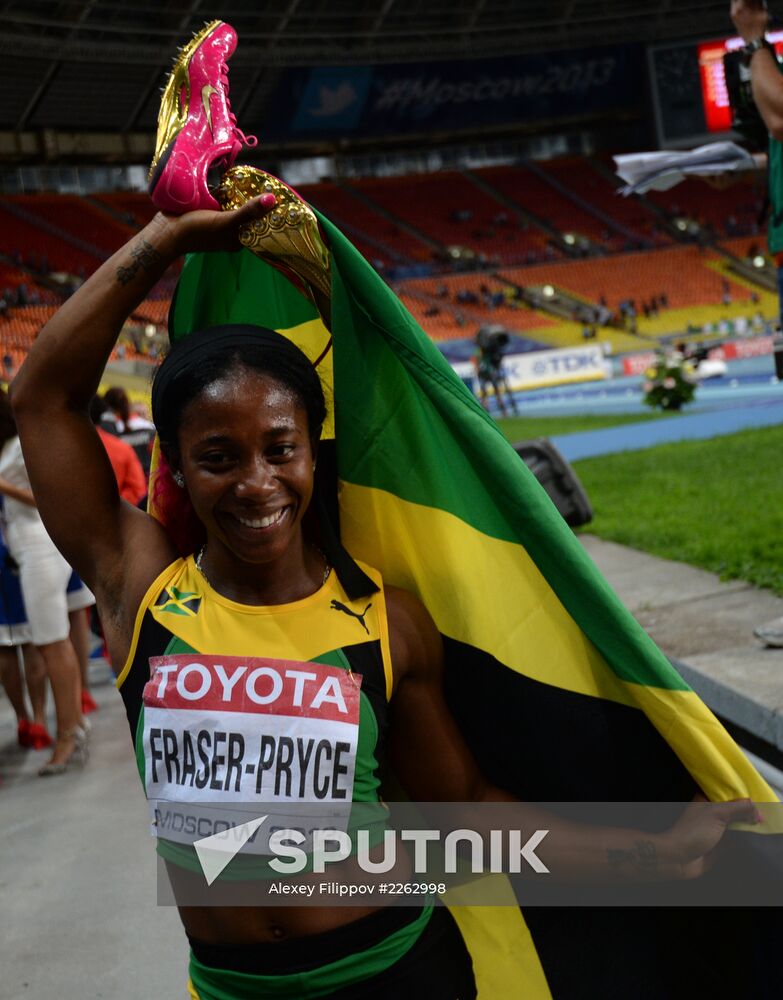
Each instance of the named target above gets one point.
<point>331,31</point>
<point>100,64</point>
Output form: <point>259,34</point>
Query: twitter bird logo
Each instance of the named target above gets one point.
<point>334,100</point>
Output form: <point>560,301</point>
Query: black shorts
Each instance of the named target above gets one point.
<point>436,967</point>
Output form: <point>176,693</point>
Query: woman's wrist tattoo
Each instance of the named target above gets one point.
<point>145,258</point>
<point>642,856</point>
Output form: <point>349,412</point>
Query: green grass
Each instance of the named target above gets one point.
<point>525,428</point>
<point>715,504</point>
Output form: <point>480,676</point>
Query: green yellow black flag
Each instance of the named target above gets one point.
<point>559,692</point>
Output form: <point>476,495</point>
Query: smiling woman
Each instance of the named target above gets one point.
<point>258,662</point>
<point>239,412</point>
<point>238,566</point>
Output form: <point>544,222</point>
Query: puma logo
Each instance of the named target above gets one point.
<point>339,606</point>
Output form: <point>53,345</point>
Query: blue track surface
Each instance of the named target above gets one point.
<point>749,396</point>
<point>693,427</point>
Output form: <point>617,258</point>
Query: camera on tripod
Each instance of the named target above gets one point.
<point>493,341</point>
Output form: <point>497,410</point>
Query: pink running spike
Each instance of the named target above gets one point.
<point>196,128</point>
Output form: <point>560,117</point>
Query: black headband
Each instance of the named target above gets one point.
<point>189,352</point>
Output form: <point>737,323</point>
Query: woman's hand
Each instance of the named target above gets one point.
<point>19,493</point>
<point>205,231</point>
<point>690,845</point>
<point>750,18</point>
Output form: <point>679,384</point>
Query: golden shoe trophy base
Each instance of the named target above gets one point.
<point>288,237</point>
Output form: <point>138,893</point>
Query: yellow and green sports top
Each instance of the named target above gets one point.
<point>230,703</point>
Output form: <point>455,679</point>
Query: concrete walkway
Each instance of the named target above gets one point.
<point>706,625</point>
<point>79,918</point>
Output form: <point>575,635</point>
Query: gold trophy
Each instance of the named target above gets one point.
<point>288,237</point>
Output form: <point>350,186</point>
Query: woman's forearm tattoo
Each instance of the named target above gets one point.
<point>641,856</point>
<point>145,258</point>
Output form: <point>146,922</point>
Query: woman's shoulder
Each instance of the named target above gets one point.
<point>413,635</point>
<point>123,602</point>
<point>171,572</point>
<point>406,613</point>
<point>145,559</point>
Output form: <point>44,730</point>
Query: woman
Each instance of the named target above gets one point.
<point>239,415</point>
<point>15,636</point>
<point>130,426</point>
<point>44,577</point>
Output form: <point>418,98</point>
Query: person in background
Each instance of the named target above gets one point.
<point>140,413</point>
<point>118,403</point>
<point>15,635</point>
<point>44,576</point>
<point>488,360</point>
<point>128,471</point>
<point>79,618</point>
<point>32,732</point>
<point>751,19</point>
<point>134,429</point>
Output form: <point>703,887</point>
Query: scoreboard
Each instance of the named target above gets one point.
<point>689,92</point>
<point>715,96</point>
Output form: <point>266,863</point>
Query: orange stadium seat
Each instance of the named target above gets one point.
<point>134,208</point>
<point>445,326</point>
<point>20,326</point>
<point>96,233</point>
<point>373,235</point>
<point>681,273</point>
<point>516,318</point>
<point>432,204</point>
<point>687,276</point>
<point>746,246</point>
<point>532,193</point>
<point>25,237</point>
<point>11,278</point>
<point>154,311</point>
<point>592,187</point>
<point>80,216</point>
<point>733,211</point>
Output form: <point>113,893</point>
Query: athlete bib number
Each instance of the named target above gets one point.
<point>247,734</point>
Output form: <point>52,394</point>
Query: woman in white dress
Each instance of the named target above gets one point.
<point>44,576</point>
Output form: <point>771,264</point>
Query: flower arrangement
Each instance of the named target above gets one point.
<point>670,383</point>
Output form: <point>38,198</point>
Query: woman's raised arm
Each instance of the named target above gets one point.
<point>70,474</point>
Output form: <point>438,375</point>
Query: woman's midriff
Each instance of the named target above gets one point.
<point>236,925</point>
<point>229,925</point>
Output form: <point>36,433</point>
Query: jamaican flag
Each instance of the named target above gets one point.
<point>560,694</point>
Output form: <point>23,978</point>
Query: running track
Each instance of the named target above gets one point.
<point>748,397</point>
